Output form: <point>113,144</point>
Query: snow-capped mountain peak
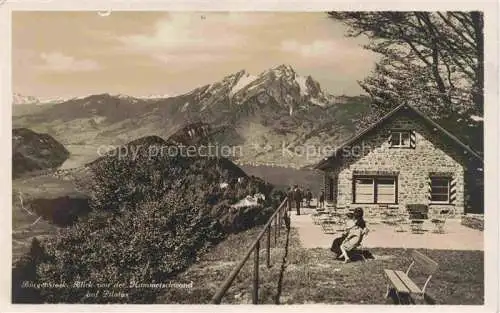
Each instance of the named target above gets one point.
<point>301,81</point>
<point>283,70</point>
<point>280,84</point>
<point>284,84</point>
<point>155,96</point>
<point>21,99</point>
<point>243,80</point>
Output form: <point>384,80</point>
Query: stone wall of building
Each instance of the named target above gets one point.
<point>373,155</point>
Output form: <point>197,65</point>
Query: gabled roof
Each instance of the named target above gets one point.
<point>386,117</point>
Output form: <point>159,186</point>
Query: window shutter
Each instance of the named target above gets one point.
<point>429,188</point>
<point>413,139</point>
<point>453,190</point>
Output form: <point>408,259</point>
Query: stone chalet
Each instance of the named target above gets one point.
<point>404,158</point>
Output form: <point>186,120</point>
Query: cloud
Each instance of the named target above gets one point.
<point>193,58</point>
<point>345,55</point>
<point>199,38</point>
<point>313,49</point>
<point>182,32</point>
<point>178,50</point>
<point>59,62</point>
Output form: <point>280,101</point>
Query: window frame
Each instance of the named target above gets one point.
<point>375,188</point>
<point>448,179</point>
<point>400,132</point>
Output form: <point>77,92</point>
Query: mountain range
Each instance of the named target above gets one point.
<point>260,114</point>
<point>20,99</point>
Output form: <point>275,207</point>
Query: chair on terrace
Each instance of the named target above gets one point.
<point>333,219</point>
<point>318,214</point>
<point>417,213</point>
<point>363,251</point>
<point>321,213</point>
<point>391,215</point>
<point>440,221</point>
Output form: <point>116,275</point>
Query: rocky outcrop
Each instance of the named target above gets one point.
<point>32,151</point>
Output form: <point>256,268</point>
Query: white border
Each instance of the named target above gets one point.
<point>492,146</point>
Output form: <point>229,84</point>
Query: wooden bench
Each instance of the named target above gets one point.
<point>403,285</point>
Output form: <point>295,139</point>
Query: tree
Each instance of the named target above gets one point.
<point>433,60</point>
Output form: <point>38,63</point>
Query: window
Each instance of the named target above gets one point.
<point>400,139</point>
<point>440,189</point>
<point>364,191</point>
<point>375,190</point>
<point>386,190</point>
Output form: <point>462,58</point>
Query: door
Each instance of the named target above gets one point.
<point>331,188</point>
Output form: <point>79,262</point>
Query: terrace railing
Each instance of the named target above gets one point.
<point>279,218</point>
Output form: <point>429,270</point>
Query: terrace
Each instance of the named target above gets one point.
<point>454,237</point>
<point>298,267</point>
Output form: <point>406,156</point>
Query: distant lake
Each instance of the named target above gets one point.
<point>283,177</point>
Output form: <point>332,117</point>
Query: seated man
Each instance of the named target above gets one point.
<point>352,236</point>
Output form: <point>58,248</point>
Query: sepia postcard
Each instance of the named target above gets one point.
<point>203,157</point>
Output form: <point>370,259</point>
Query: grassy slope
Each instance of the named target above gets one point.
<point>312,276</point>
<point>213,268</point>
<point>45,186</point>
<point>29,109</point>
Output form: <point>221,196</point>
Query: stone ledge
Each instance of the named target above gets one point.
<point>473,221</point>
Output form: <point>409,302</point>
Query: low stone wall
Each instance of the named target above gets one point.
<point>437,212</point>
<point>433,212</point>
<point>474,221</point>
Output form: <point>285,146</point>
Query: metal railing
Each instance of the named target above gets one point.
<point>279,218</point>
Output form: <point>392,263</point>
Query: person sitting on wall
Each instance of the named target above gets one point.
<point>352,236</point>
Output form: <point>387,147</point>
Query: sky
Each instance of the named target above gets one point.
<point>67,54</point>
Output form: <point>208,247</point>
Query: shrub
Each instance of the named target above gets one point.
<point>152,217</point>
<point>129,180</point>
<point>25,271</point>
<point>151,243</point>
